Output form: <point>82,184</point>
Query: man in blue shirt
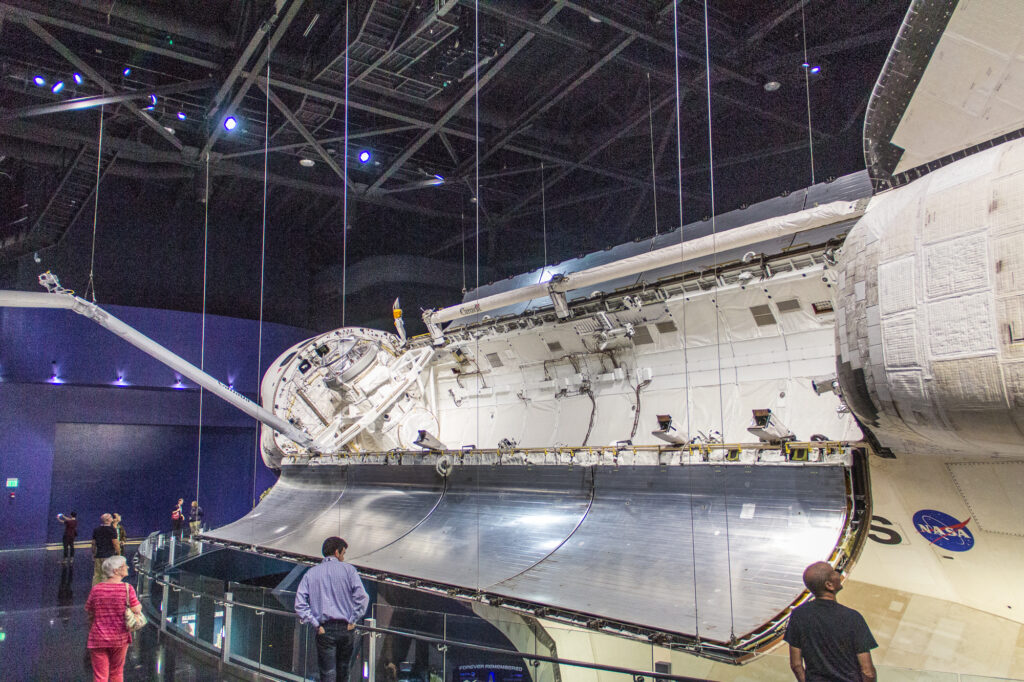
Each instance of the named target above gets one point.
<point>331,598</point>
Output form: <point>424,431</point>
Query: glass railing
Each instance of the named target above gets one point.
<point>255,628</point>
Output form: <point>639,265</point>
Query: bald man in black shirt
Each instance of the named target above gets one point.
<point>828,641</point>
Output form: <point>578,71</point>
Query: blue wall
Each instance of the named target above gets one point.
<point>91,445</point>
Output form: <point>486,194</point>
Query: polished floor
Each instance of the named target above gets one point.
<point>43,625</point>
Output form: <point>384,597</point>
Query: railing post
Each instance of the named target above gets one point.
<point>225,644</point>
<point>170,551</point>
<point>165,598</point>
<point>371,651</point>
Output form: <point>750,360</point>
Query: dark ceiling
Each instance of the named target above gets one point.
<point>558,116</point>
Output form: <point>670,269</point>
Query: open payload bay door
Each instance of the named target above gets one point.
<point>708,551</point>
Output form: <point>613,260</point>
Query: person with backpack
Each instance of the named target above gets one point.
<point>178,517</point>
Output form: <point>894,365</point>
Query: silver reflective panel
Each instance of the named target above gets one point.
<point>704,550</point>
<point>301,495</point>
<point>658,547</point>
<point>493,523</point>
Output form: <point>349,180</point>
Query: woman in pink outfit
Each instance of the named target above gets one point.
<point>108,636</point>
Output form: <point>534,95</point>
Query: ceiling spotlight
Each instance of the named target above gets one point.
<point>806,65</point>
<point>127,71</point>
<point>39,80</point>
<point>772,86</point>
<point>181,116</point>
<point>439,180</point>
<point>593,19</point>
<point>364,156</point>
<point>307,163</point>
<point>815,69</point>
<point>230,123</point>
<point>57,87</point>
<point>152,99</point>
<point>78,79</point>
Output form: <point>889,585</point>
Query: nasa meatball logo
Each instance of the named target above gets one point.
<point>943,530</point>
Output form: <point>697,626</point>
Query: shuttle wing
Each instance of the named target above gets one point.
<point>953,81</point>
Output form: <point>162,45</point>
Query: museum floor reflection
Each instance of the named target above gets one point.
<point>43,625</point>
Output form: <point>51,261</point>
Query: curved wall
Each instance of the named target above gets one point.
<point>86,443</point>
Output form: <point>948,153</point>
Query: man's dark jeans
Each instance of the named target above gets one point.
<point>333,651</point>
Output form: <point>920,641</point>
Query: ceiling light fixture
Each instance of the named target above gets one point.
<point>39,80</point>
<point>181,116</point>
<point>57,87</point>
<point>307,163</point>
<point>772,86</point>
<point>815,69</point>
<point>230,123</point>
<point>127,71</point>
<point>364,156</point>
<point>78,79</point>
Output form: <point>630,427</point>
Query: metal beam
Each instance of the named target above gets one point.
<point>488,7</point>
<point>145,14</point>
<point>339,98</point>
<point>326,140</point>
<point>362,27</point>
<point>698,59</point>
<point>297,124</point>
<point>833,47</point>
<point>593,195</point>
<point>136,151</point>
<point>94,75</point>
<point>250,75</point>
<point>466,97</point>
<point>81,103</point>
<point>560,92</point>
<point>427,21</point>
<point>78,27</point>
<point>558,177</point>
<point>758,34</point>
<point>448,146</point>
<point>562,162</point>
<point>454,132</point>
<point>243,59</point>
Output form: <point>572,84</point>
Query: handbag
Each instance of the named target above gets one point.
<point>132,621</point>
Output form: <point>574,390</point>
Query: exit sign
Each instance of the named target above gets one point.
<point>12,483</point>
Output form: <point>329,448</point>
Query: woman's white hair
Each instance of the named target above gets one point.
<point>112,565</point>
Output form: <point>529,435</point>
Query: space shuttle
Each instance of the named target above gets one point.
<point>641,449</point>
